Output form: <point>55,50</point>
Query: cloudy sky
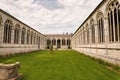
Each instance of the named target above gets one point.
<point>50,16</point>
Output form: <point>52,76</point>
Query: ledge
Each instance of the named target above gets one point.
<point>10,71</point>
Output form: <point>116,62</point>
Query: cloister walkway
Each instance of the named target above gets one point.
<point>61,65</point>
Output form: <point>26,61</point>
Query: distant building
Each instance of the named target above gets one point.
<point>59,41</point>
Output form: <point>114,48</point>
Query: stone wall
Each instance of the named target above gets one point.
<point>32,40</point>
<point>103,47</point>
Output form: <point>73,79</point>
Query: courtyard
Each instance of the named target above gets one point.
<point>60,65</point>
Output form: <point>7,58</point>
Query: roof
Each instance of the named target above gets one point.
<point>57,35</point>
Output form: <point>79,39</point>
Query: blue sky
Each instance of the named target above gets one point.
<point>50,16</point>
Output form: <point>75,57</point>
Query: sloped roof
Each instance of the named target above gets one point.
<point>57,35</point>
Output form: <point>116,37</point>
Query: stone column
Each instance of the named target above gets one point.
<point>106,34</point>
<point>118,24</point>
<point>90,38</point>
<point>96,33</point>
<point>1,33</point>
<point>61,43</point>
<point>113,26</point>
<point>25,38</point>
<point>56,42</point>
<point>20,32</point>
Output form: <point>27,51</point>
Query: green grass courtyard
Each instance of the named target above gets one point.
<point>62,65</point>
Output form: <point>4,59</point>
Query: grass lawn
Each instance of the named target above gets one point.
<point>62,65</point>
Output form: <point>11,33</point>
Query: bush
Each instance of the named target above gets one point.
<point>51,49</point>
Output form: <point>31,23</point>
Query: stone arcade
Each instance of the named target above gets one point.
<point>98,35</point>
<point>16,37</point>
<point>59,41</point>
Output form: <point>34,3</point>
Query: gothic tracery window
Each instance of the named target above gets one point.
<point>28,37</point>
<point>68,42</point>
<point>100,24</point>
<point>23,36</point>
<point>7,31</point>
<point>31,38</point>
<point>114,21</point>
<point>16,33</point>
<point>53,41</point>
<point>48,41</point>
<point>92,31</point>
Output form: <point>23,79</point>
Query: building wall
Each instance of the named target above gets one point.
<point>36,42</point>
<point>66,44</point>
<point>103,47</point>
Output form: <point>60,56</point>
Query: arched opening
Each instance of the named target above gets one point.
<point>53,41</point>
<point>28,36</point>
<point>48,43</point>
<point>23,36</point>
<point>68,43</point>
<point>16,33</point>
<point>58,43</point>
<point>100,27</point>
<point>63,41</point>
<point>7,31</point>
<point>92,31</point>
<point>34,38</point>
<point>113,21</point>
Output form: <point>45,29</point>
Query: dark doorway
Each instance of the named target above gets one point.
<point>58,43</point>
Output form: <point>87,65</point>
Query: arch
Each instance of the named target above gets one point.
<point>68,42</point>
<point>100,26</point>
<point>58,43</point>
<point>92,30</point>
<point>7,31</point>
<point>112,10</point>
<point>31,38</point>
<point>53,41</point>
<point>91,21</point>
<point>28,36</point>
<point>16,33</point>
<point>99,14</point>
<point>48,41</point>
<point>110,4</point>
<point>34,38</point>
<point>23,35</point>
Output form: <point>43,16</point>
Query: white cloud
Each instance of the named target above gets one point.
<point>42,15</point>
